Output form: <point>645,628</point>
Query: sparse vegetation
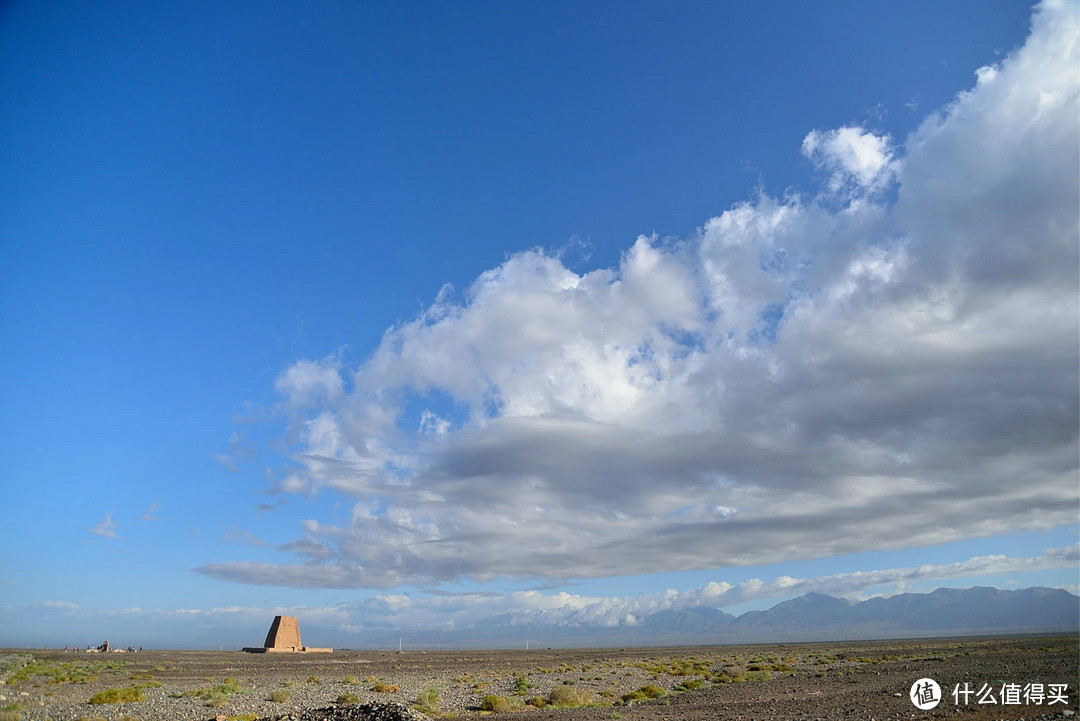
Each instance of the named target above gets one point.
<point>522,685</point>
<point>130,694</point>
<point>567,697</point>
<point>732,674</point>
<point>510,684</point>
<point>690,684</point>
<point>428,702</point>
<point>495,703</point>
<point>645,692</point>
<point>62,672</point>
<point>215,696</point>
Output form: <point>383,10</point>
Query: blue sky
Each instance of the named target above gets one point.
<point>419,313</point>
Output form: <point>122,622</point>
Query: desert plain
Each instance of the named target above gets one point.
<point>845,680</point>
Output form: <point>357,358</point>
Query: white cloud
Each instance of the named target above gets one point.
<point>854,156</point>
<point>803,377</point>
<point>306,383</point>
<point>106,528</point>
<point>68,605</point>
<point>356,622</point>
<point>466,610</point>
<point>148,514</point>
<point>241,537</point>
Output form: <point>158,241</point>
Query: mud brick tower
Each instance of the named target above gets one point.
<point>284,637</point>
<point>284,634</point>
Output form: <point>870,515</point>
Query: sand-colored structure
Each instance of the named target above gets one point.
<point>284,637</point>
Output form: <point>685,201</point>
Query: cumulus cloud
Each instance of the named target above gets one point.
<point>802,377</point>
<point>854,156</point>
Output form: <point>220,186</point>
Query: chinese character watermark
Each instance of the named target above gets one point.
<point>1007,694</point>
<point>925,694</point>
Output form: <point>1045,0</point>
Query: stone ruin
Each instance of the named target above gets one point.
<point>284,637</point>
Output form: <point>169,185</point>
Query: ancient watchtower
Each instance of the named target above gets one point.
<point>284,637</point>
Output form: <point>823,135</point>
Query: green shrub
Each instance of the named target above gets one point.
<point>690,684</point>
<point>649,691</point>
<point>117,695</point>
<point>428,702</point>
<point>521,686</point>
<point>382,687</point>
<point>279,696</point>
<point>216,700</point>
<point>567,697</point>
<point>495,703</point>
<point>732,675</point>
<point>348,698</point>
<point>214,696</point>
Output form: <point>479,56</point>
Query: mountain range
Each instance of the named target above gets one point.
<point>810,617</point>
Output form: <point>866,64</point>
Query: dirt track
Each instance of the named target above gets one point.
<point>762,683</point>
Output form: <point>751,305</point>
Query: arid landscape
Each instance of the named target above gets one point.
<point>852,680</point>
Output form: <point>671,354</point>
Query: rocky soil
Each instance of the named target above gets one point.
<point>857,680</point>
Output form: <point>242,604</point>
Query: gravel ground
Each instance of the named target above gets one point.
<point>857,680</point>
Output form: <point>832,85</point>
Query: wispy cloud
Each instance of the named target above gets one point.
<point>148,514</point>
<point>240,450</point>
<point>68,605</point>
<point>106,528</point>
<point>241,537</point>
<point>805,376</point>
